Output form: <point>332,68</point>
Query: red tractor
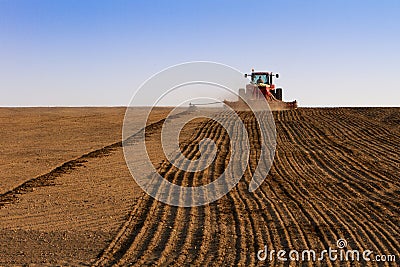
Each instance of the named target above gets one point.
<point>261,87</point>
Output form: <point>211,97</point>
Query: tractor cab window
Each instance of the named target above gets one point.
<point>260,78</point>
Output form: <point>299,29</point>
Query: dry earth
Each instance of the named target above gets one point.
<point>335,175</point>
<point>35,140</point>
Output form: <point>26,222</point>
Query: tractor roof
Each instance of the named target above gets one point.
<point>261,73</point>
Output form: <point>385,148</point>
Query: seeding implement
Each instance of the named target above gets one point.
<point>261,88</point>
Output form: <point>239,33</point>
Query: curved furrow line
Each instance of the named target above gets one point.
<point>154,222</point>
<point>145,242</point>
<point>373,157</point>
<point>290,238</point>
<point>377,143</point>
<point>148,251</point>
<point>347,151</point>
<point>195,229</point>
<point>224,253</point>
<point>374,182</point>
<point>290,115</point>
<point>335,218</point>
<point>281,169</point>
<point>230,254</point>
<point>367,215</point>
<point>278,211</point>
<point>374,235</point>
<point>155,219</point>
<point>245,202</point>
<point>239,243</point>
<point>174,238</point>
<point>304,190</point>
<point>369,128</point>
<point>153,236</point>
<point>306,204</point>
<point>361,170</point>
<point>352,117</point>
<point>260,196</point>
<point>280,127</point>
<point>211,244</point>
<point>358,169</point>
<point>324,225</point>
<point>224,238</point>
<point>363,133</point>
<point>374,146</point>
<point>211,235</point>
<point>366,189</point>
<point>280,217</point>
<point>379,114</point>
<point>260,222</point>
<point>246,199</point>
<point>281,207</point>
<point>337,163</point>
<point>132,230</point>
<point>214,246</point>
<point>219,167</point>
<point>127,233</point>
<point>325,164</point>
<point>140,237</point>
<point>248,227</point>
<point>366,142</point>
<point>343,128</point>
<point>382,121</point>
<point>300,239</point>
<point>370,163</point>
<point>388,117</point>
<point>161,244</point>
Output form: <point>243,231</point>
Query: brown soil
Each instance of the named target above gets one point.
<point>335,175</point>
<point>35,140</point>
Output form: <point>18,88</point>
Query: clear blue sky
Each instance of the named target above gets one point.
<point>92,52</point>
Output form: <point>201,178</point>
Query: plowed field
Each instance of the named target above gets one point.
<point>335,176</point>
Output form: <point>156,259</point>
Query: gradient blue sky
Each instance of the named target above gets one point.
<point>83,53</point>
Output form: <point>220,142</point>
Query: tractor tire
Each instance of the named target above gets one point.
<point>278,93</point>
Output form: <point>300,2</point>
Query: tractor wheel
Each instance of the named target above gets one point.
<point>278,93</point>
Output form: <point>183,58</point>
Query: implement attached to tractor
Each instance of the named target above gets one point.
<point>261,88</point>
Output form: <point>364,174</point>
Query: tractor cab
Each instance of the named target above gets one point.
<point>261,85</point>
<point>265,77</point>
<point>261,78</point>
